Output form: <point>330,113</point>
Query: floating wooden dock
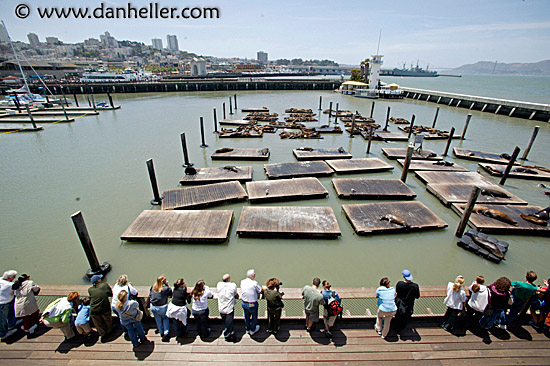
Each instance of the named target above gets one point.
<point>321,154</point>
<point>360,165</point>
<point>516,172</point>
<point>365,218</point>
<point>386,136</point>
<point>202,196</point>
<point>417,165</point>
<point>376,189</point>
<point>442,135</point>
<point>317,222</point>
<point>240,153</point>
<point>435,177</point>
<point>467,243</point>
<point>285,190</point>
<point>236,122</point>
<point>21,129</point>
<point>180,226</point>
<point>487,157</point>
<point>49,113</point>
<point>218,174</point>
<point>36,120</point>
<point>334,129</point>
<point>401,153</point>
<point>489,225</point>
<point>299,169</point>
<point>254,109</point>
<point>460,193</point>
<point>240,134</point>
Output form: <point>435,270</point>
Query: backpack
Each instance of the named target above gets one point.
<point>333,306</point>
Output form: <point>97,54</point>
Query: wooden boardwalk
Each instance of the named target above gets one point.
<point>432,165</point>
<point>487,157</point>
<point>210,226</point>
<point>377,189</point>
<point>460,193</point>
<point>321,154</point>
<point>203,196</point>
<point>401,153</point>
<point>366,218</point>
<point>519,172</point>
<point>218,174</point>
<point>242,154</point>
<point>361,165</point>
<point>285,190</point>
<point>317,222</point>
<point>299,169</point>
<point>434,177</point>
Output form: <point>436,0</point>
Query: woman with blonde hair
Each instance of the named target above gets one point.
<point>130,318</point>
<point>456,297</point>
<point>122,284</point>
<point>200,295</point>
<point>158,298</point>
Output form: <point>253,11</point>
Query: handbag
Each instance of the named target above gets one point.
<point>138,317</point>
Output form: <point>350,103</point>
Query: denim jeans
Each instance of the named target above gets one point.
<point>135,332</point>
<point>163,323</point>
<point>250,315</point>
<point>498,317</point>
<point>201,319</point>
<point>179,327</point>
<point>7,318</point>
<point>115,311</point>
<point>228,324</point>
<point>514,310</point>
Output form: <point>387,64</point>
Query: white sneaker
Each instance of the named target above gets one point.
<point>33,328</point>
<point>252,332</point>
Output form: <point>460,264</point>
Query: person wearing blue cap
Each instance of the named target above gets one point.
<point>100,306</point>
<point>407,292</point>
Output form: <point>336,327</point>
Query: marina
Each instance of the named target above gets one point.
<point>285,190</point>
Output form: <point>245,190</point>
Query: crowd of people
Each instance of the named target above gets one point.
<point>485,307</point>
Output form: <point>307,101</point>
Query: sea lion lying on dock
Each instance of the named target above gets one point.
<point>444,163</point>
<point>305,148</point>
<point>224,150</point>
<point>264,151</point>
<point>189,170</point>
<point>395,220</point>
<point>543,214</point>
<point>494,214</point>
<point>534,219</point>
<point>524,170</point>
<point>494,193</point>
<point>341,150</point>
<point>231,168</point>
<point>488,246</point>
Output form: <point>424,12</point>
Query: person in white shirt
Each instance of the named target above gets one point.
<point>122,284</point>
<point>250,292</point>
<point>7,312</point>
<point>227,293</point>
<point>479,298</point>
<point>456,297</point>
<point>200,295</point>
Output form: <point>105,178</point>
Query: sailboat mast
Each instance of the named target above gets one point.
<point>16,58</point>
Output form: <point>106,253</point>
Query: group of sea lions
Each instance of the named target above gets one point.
<point>305,133</point>
<point>296,110</point>
<point>539,218</point>
<point>302,118</point>
<point>425,129</point>
<point>342,113</point>
<point>399,121</point>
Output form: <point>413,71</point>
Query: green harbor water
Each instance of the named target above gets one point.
<point>97,165</point>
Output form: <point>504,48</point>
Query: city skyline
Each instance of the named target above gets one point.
<point>443,35</point>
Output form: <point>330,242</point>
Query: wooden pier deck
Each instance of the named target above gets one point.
<point>417,165</point>
<point>298,169</point>
<point>401,153</point>
<point>288,221</point>
<point>376,189</point>
<point>321,154</point>
<point>489,225</point>
<point>359,165</point>
<point>203,196</point>
<point>486,157</point>
<point>285,190</point>
<point>498,170</point>
<point>435,177</point>
<point>241,153</point>
<point>204,226</point>
<point>366,218</point>
<point>460,193</point>
<point>218,174</point>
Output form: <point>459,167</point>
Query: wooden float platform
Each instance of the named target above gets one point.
<point>386,136</point>
<point>489,225</point>
<point>365,217</point>
<point>498,170</point>
<point>467,243</point>
<point>437,177</point>
<point>299,169</point>
<point>401,153</point>
<point>334,129</point>
<point>83,109</point>
<point>487,157</point>
<point>240,134</point>
<point>217,175</point>
<point>203,196</point>
<point>21,129</point>
<point>236,122</point>
<point>460,193</point>
<point>254,109</point>
<point>360,165</point>
<point>285,190</point>
<point>430,136</point>
<point>416,165</point>
<point>180,226</point>
<point>36,120</point>
<point>49,112</point>
<point>321,154</point>
<point>288,221</point>
<point>240,153</point>
<point>377,189</point>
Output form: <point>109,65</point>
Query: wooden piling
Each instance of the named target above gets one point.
<point>372,109</point>
<point>435,117</point>
<point>235,97</point>
<point>203,145</point>
<point>64,111</point>
<point>407,163</point>
<point>451,134</point>
<point>186,162</point>
<point>30,116</point>
<point>89,101</point>
<point>371,128</point>
<point>387,119</point>
<point>411,126</point>
<point>320,102</point>
<point>64,96</point>
<point>466,126</point>
<point>224,117</point>
<point>230,106</point>
<point>509,166</point>
<point>215,122</point>
<point>330,110</point>
<point>468,211</point>
<point>152,177</point>
<point>75,99</point>
<point>93,103</point>
<point>110,100</point>
<point>352,126</point>
<point>533,136</point>
<point>336,116</point>
<point>85,240</point>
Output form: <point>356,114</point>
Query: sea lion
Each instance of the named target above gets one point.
<point>471,153</point>
<point>341,150</point>
<point>534,219</point>
<point>264,151</point>
<point>495,214</point>
<point>224,150</point>
<point>488,246</point>
<point>444,163</point>
<point>524,170</point>
<point>305,148</point>
<point>395,219</point>
<point>231,168</point>
<point>494,193</point>
<point>505,156</point>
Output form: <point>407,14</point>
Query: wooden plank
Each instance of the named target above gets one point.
<point>299,169</point>
<point>366,218</point>
<point>435,177</point>
<point>239,153</point>
<point>520,172</point>
<point>429,165</point>
<point>218,174</point>
<point>236,122</point>
<point>477,155</point>
<point>180,226</point>
<point>202,196</point>
<point>387,136</point>
<point>36,120</point>
<point>400,153</point>
<point>363,188</point>
<point>321,154</point>
<point>249,133</point>
<point>460,193</point>
<point>285,190</point>
<point>489,225</point>
<point>21,129</point>
<point>361,165</point>
<point>318,222</point>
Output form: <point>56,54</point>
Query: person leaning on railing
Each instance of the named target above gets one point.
<point>58,314</point>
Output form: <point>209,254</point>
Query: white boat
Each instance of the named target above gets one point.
<point>104,76</point>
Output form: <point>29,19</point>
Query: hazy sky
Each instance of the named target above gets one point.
<point>440,33</point>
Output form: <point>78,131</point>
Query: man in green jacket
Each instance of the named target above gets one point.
<point>100,306</point>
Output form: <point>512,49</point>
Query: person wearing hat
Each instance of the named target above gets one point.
<point>100,306</point>
<point>407,292</point>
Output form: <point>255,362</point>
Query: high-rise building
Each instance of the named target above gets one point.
<point>33,40</point>
<point>157,43</point>
<point>262,57</point>
<point>4,38</point>
<point>172,43</point>
<point>52,41</point>
<point>107,41</point>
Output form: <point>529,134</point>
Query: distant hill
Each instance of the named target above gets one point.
<point>488,67</point>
